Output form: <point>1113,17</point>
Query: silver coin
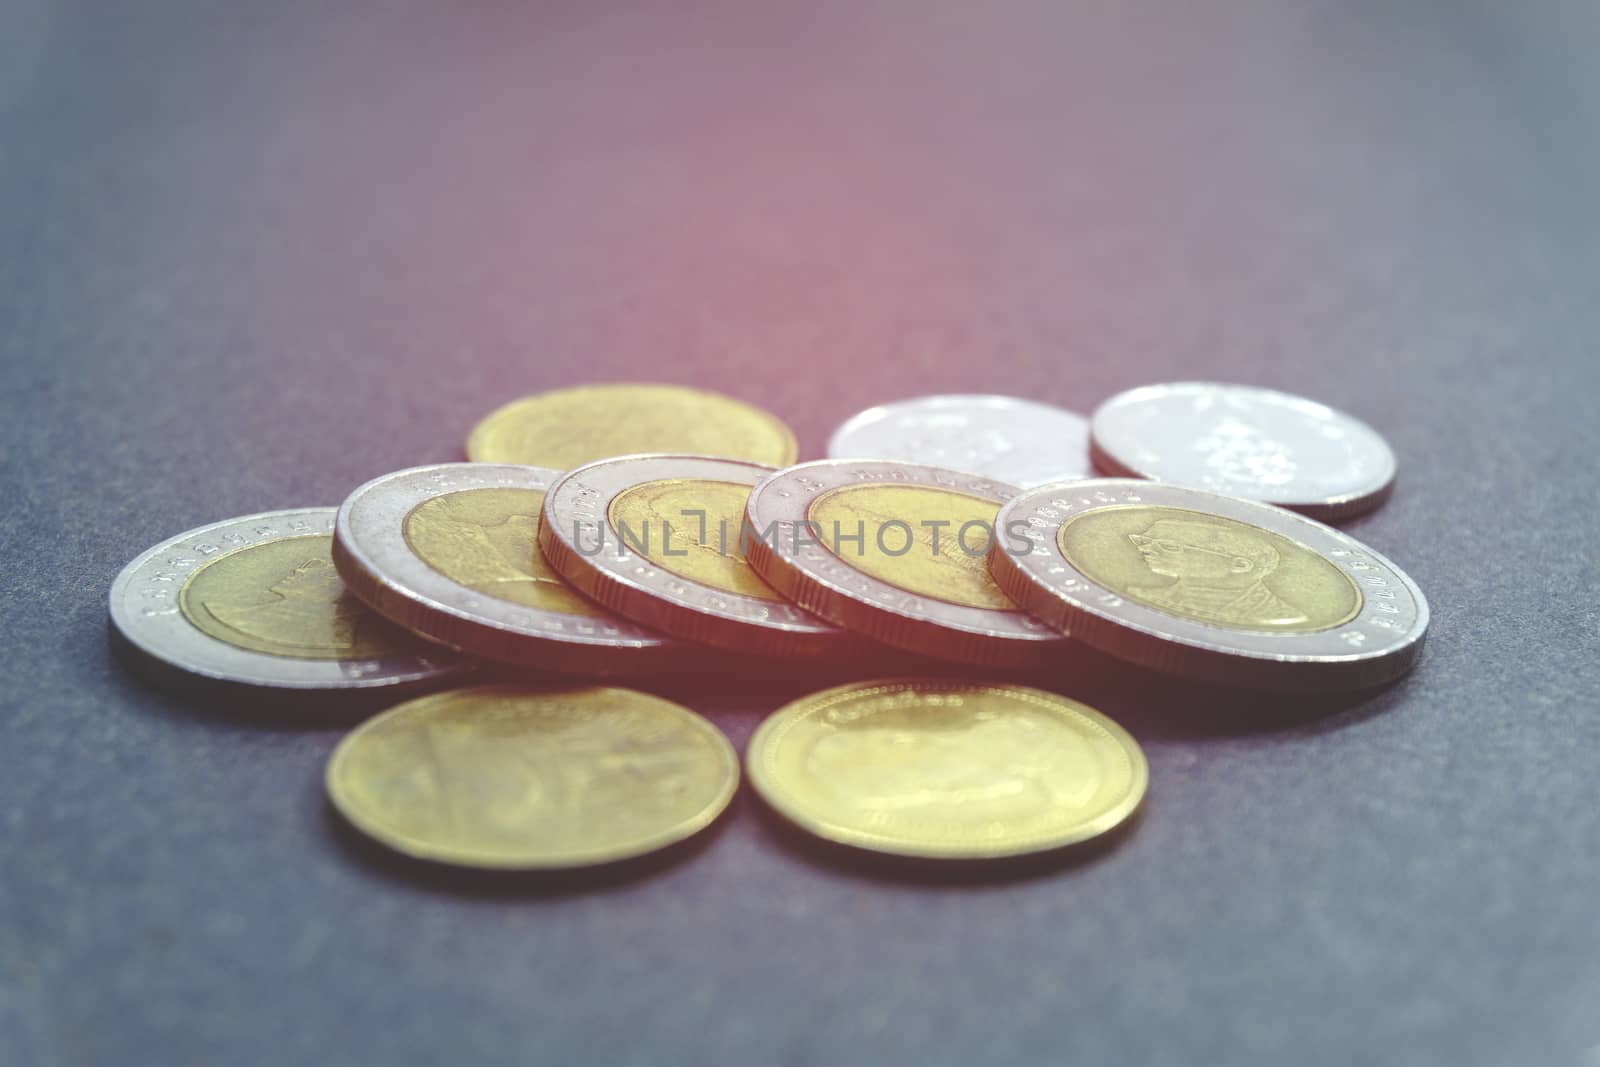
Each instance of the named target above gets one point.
<point>898,584</point>
<point>1247,442</point>
<point>1211,587</point>
<point>450,552</point>
<point>256,601</point>
<point>657,538</point>
<point>1005,438</point>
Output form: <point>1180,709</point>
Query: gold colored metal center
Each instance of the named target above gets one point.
<point>488,541</point>
<point>927,524</point>
<point>690,527</point>
<point>283,598</point>
<point>1209,569</point>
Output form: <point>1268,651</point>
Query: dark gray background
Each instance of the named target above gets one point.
<point>253,254</point>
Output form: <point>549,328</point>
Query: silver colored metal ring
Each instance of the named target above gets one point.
<point>1379,643</point>
<point>144,608</point>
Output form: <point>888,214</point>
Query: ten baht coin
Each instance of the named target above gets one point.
<point>1242,441</point>
<point>1210,587</point>
<point>946,769</point>
<point>451,552</point>
<point>896,551</point>
<point>257,601</point>
<point>567,428</point>
<point>661,539</point>
<point>512,777</point>
<point>1021,442</point>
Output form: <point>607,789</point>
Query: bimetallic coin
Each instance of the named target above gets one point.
<point>1246,442</point>
<point>257,601</point>
<point>895,551</point>
<point>661,539</point>
<point>511,777</point>
<point>567,428</point>
<point>947,769</point>
<point>1021,442</point>
<point>1210,587</point>
<point>451,552</point>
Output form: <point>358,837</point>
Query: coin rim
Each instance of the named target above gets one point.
<point>383,570</point>
<point>474,446</point>
<point>938,401</point>
<point>219,661</point>
<point>633,586</point>
<point>764,743</point>
<point>1332,508</point>
<point>1145,635</point>
<point>973,635</point>
<point>419,849</point>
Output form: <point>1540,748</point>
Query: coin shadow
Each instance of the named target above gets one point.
<point>887,869</point>
<point>482,884</point>
<point>1160,707</point>
<point>216,702</point>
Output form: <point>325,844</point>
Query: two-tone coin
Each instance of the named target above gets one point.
<point>510,777</point>
<point>946,769</point>
<point>895,551</point>
<point>662,540</point>
<point>1211,587</point>
<point>451,552</point>
<point>1021,442</point>
<point>257,601</point>
<point>567,428</point>
<point>1242,441</point>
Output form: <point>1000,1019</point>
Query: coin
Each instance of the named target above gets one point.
<point>946,769</point>
<point>1207,586</point>
<point>895,551</point>
<point>451,552</point>
<point>1021,442</point>
<point>567,428</point>
<point>660,539</point>
<point>511,777</point>
<point>257,601</point>
<point>1246,442</point>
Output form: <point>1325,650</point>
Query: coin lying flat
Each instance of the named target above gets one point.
<point>257,601</point>
<point>451,552</point>
<point>1210,587</point>
<point>895,551</point>
<point>567,428</point>
<point>1021,442</point>
<point>946,769</point>
<point>511,777</point>
<point>1246,442</point>
<point>660,539</point>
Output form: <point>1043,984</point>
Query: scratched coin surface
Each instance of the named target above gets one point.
<point>896,551</point>
<point>514,777</point>
<point>662,540</point>
<point>946,769</point>
<point>257,601</point>
<point>451,552</point>
<point>1211,587</point>
<point>1006,438</point>
<point>567,428</point>
<point>1242,441</point>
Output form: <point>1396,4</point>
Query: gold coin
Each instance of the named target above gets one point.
<point>510,777</point>
<point>947,769</point>
<point>567,428</point>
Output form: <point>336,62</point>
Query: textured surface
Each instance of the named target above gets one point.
<point>251,255</point>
